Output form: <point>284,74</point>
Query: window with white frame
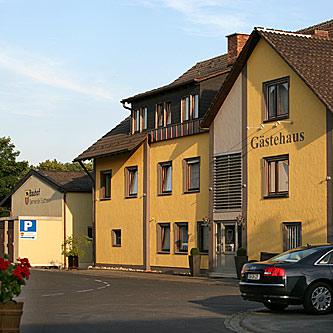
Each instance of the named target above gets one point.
<point>131,181</point>
<point>292,235</point>
<point>192,175</point>
<point>144,117</point>
<point>167,110</point>
<point>277,176</point>
<point>189,107</point>
<point>159,115</point>
<point>181,237</point>
<point>165,177</point>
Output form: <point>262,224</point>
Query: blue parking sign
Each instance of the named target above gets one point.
<point>28,229</point>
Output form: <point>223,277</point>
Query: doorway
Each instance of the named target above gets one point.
<point>227,236</point>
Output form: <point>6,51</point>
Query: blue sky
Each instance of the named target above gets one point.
<point>66,64</point>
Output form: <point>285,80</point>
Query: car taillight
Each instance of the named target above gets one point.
<point>274,271</point>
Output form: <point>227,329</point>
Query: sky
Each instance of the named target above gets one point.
<point>66,64</point>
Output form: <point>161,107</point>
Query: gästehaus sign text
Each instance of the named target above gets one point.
<point>262,141</point>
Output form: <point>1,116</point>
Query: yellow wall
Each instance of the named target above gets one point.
<point>78,218</point>
<point>120,213</point>
<point>45,250</point>
<point>307,160</point>
<point>178,207</point>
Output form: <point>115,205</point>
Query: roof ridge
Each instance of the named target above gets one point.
<point>315,25</point>
<point>282,32</point>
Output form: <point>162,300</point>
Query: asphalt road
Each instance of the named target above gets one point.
<point>57,301</point>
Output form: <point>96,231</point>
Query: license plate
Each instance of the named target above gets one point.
<point>253,276</point>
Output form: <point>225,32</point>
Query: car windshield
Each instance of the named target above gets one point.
<point>294,255</point>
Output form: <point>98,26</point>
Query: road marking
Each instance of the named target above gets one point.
<point>84,291</point>
<point>51,295</point>
<point>105,285</point>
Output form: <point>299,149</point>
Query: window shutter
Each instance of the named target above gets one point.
<point>228,182</point>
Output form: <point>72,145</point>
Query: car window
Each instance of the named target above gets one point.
<point>327,260</point>
<point>294,255</point>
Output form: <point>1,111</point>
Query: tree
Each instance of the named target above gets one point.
<point>54,165</point>
<point>11,170</point>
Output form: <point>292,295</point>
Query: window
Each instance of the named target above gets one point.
<point>90,232</point>
<point>116,237</point>
<point>105,191</point>
<point>163,234</point>
<point>277,176</point>
<point>277,99</point>
<point>167,110</point>
<point>144,115</point>
<point>327,259</point>
<point>131,181</point>
<point>190,107</point>
<point>165,178</point>
<point>292,235</point>
<point>203,237</point>
<point>192,175</point>
<point>181,237</point>
<point>159,115</point>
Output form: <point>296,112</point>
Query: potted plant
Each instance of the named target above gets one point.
<point>195,261</point>
<point>12,277</point>
<point>241,258</point>
<point>72,248</point>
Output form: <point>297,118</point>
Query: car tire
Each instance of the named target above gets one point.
<point>318,298</point>
<point>275,307</point>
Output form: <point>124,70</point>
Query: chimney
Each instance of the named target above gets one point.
<point>236,43</point>
<point>320,33</point>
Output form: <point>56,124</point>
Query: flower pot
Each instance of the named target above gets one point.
<point>194,262</point>
<point>10,317</point>
<point>239,262</point>
<point>73,262</point>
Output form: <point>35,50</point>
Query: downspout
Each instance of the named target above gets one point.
<point>146,205</point>
<point>92,178</point>
<point>126,107</point>
<point>65,205</point>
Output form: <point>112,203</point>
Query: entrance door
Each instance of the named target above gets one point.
<point>10,245</point>
<point>226,247</point>
<point>2,239</point>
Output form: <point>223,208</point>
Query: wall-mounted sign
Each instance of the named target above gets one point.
<point>28,229</point>
<point>277,139</point>
<point>33,197</point>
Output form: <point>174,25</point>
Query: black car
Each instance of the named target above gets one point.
<point>300,276</point>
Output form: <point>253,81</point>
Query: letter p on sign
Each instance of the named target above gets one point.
<point>27,225</point>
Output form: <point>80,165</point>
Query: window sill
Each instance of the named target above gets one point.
<point>182,253</point>
<point>277,196</point>
<point>164,194</point>
<point>131,196</point>
<point>116,245</point>
<point>273,120</point>
<point>104,199</point>
<point>191,191</point>
<point>163,252</point>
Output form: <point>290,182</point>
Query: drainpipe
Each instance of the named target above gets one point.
<point>125,106</point>
<point>65,205</point>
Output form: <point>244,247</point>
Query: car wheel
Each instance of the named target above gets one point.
<point>318,298</point>
<point>276,307</point>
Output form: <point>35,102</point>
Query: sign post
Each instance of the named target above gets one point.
<point>28,229</point>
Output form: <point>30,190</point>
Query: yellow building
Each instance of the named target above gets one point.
<point>274,117</point>
<point>152,175</point>
<point>47,207</point>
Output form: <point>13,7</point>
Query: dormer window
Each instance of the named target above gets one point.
<point>190,107</point>
<point>139,120</point>
<point>144,115</point>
